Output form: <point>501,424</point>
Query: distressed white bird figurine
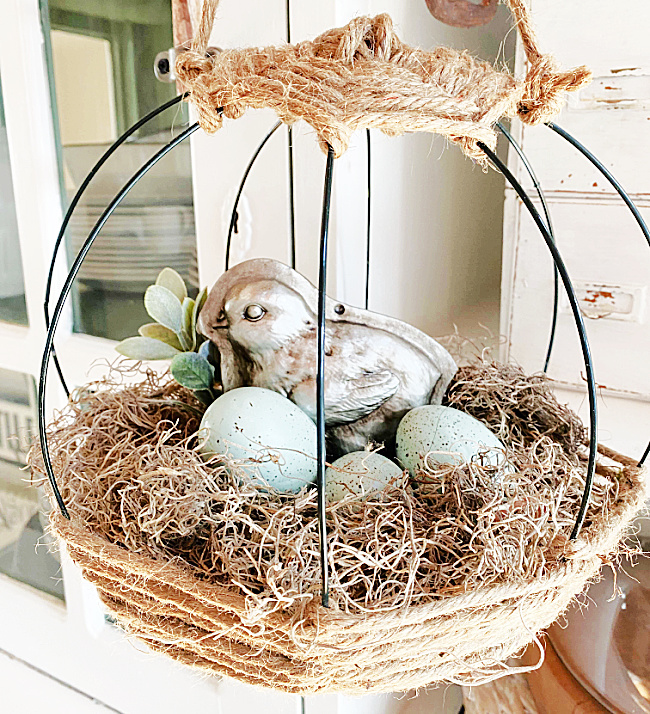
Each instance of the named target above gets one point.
<point>262,317</point>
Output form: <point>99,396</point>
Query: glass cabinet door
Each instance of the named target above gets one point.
<point>27,552</point>
<point>12,286</point>
<point>101,57</point>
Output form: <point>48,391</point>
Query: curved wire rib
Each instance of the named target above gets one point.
<point>233,215</point>
<point>549,224</point>
<point>292,208</point>
<point>368,214</point>
<point>73,205</point>
<point>582,333</point>
<point>65,291</point>
<point>621,192</point>
<point>320,379</point>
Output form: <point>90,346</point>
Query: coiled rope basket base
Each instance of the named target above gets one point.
<point>440,578</point>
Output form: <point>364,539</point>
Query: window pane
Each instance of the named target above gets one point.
<point>102,56</point>
<point>12,288</point>
<point>25,548</point>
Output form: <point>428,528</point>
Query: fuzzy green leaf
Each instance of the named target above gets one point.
<point>193,371</point>
<point>198,306</point>
<point>164,307</point>
<point>188,334</point>
<point>146,348</point>
<point>159,332</point>
<point>171,280</point>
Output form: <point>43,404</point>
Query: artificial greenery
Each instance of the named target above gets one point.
<point>173,335</point>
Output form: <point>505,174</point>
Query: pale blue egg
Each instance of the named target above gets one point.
<point>271,439</point>
<point>359,473</point>
<point>434,434</point>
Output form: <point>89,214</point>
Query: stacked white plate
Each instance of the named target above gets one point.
<point>136,243</point>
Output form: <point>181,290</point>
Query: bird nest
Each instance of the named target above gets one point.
<point>436,578</point>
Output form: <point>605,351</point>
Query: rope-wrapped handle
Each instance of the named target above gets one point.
<point>363,76</point>
<point>545,84</point>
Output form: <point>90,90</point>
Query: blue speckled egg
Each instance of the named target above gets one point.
<point>270,438</point>
<point>359,473</point>
<point>443,435</point>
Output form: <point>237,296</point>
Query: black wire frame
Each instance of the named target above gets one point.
<point>545,229</point>
<point>549,224</point>
<point>73,205</point>
<point>580,325</point>
<point>65,291</point>
<point>621,192</point>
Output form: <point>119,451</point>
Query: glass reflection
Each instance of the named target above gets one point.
<point>12,288</point>
<point>25,549</point>
<point>101,57</point>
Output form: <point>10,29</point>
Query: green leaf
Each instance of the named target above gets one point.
<point>193,371</point>
<point>171,280</point>
<point>164,307</point>
<point>159,332</point>
<point>198,306</point>
<point>146,348</point>
<point>188,335</point>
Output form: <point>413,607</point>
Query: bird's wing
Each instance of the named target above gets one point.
<point>348,400</point>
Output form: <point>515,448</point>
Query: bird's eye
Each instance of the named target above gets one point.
<point>254,313</point>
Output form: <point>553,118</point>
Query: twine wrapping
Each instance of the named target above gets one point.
<point>362,76</point>
<point>429,583</point>
<point>464,639</point>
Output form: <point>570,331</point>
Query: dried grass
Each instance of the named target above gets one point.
<point>125,460</point>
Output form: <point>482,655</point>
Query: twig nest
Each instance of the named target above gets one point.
<point>434,435</point>
<point>359,473</point>
<point>266,436</point>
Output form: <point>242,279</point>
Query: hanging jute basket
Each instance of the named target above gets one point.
<point>437,578</point>
<point>441,579</point>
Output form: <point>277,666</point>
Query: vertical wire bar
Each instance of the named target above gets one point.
<point>65,291</point>
<point>242,183</point>
<point>320,380</point>
<point>582,332</point>
<point>292,206</point>
<point>549,223</point>
<point>73,205</point>
<point>292,212</point>
<point>621,192</point>
<point>368,214</point>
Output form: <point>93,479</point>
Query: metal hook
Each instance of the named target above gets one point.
<point>242,183</point>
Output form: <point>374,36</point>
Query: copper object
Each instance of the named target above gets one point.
<point>463,13</point>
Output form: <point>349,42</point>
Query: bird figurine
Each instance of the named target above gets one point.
<point>262,317</point>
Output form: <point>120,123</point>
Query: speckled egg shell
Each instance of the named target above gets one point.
<point>270,438</point>
<point>447,436</point>
<point>359,473</point>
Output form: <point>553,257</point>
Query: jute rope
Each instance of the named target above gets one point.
<point>363,76</point>
<point>465,638</point>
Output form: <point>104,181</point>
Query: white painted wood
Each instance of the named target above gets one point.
<point>26,690</point>
<point>596,234</point>
<point>600,243</point>
<point>442,700</point>
<point>600,34</point>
